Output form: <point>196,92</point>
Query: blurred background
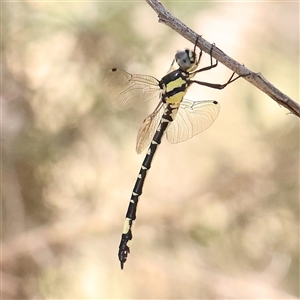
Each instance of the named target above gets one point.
<point>219,215</point>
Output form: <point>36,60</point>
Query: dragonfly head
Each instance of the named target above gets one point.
<point>186,60</point>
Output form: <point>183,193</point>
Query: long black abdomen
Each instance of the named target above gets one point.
<point>138,187</point>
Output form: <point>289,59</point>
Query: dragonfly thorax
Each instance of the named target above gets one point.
<point>174,86</point>
<point>186,60</point>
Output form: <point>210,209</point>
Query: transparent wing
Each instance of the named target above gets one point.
<point>148,128</point>
<point>172,67</point>
<point>125,89</point>
<point>192,118</point>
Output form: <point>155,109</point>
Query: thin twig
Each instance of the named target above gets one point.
<point>257,79</point>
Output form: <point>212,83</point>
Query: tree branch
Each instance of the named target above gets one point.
<point>257,79</point>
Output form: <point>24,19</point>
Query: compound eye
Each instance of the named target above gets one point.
<point>183,59</point>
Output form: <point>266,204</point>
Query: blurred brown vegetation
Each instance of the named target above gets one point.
<point>219,216</point>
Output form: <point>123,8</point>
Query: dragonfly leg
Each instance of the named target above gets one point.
<point>212,65</point>
<point>216,85</point>
<point>200,54</point>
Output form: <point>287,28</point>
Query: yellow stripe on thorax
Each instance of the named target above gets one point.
<point>177,98</point>
<point>177,83</point>
<point>174,84</point>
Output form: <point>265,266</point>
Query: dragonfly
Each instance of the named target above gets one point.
<point>177,117</point>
